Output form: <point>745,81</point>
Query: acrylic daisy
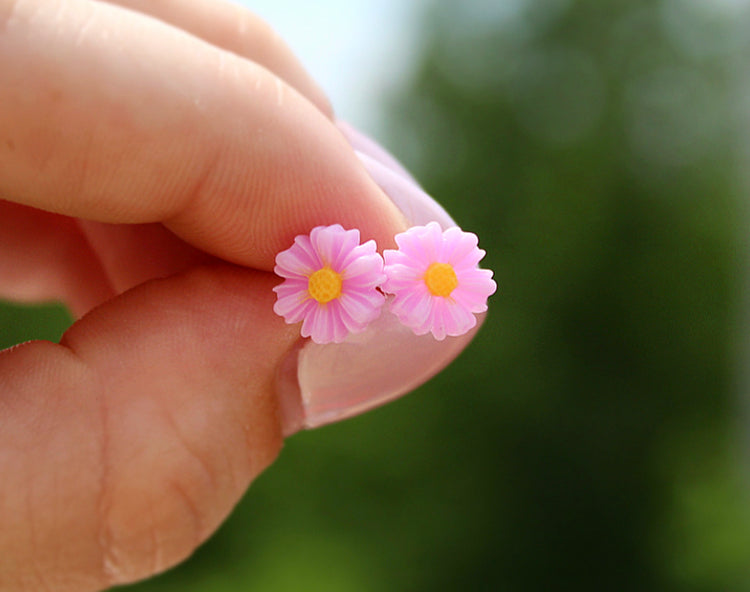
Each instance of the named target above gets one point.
<point>435,280</point>
<point>330,283</point>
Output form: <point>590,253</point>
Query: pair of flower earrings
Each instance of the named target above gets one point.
<point>337,286</point>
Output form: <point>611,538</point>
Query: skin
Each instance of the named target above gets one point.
<point>154,157</point>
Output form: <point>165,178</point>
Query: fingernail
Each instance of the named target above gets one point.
<point>366,145</point>
<point>321,384</point>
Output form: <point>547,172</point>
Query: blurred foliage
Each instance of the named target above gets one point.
<point>596,148</point>
<point>589,437</point>
<point>21,322</point>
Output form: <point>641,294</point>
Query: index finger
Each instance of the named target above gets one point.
<point>236,29</point>
<point>112,116</point>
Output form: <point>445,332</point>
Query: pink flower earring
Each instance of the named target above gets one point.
<point>330,283</point>
<point>435,280</point>
<point>333,284</point>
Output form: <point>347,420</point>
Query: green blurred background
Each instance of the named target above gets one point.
<point>593,437</point>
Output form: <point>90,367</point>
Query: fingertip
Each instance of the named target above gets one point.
<point>161,403</point>
<point>236,29</point>
<point>324,383</point>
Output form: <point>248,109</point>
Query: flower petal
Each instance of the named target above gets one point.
<point>293,309</point>
<point>394,257</point>
<point>327,242</point>
<point>357,317</point>
<point>460,249</point>
<point>419,244</point>
<point>319,324</point>
<point>477,281</point>
<point>351,255</point>
<point>367,268</point>
<point>305,252</point>
<point>401,277</point>
<point>456,319</point>
<point>456,244</point>
<point>292,285</point>
<point>336,324</point>
<point>469,301</point>
<point>429,324</point>
<point>362,308</point>
<point>413,307</point>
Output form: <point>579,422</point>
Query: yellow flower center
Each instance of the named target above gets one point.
<point>324,285</point>
<point>441,279</point>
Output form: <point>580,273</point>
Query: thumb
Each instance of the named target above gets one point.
<point>125,446</point>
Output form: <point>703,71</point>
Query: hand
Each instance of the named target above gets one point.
<point>154,157</point>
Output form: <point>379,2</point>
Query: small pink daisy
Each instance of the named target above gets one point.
<point>330,283</point>
<point>436,282</point>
